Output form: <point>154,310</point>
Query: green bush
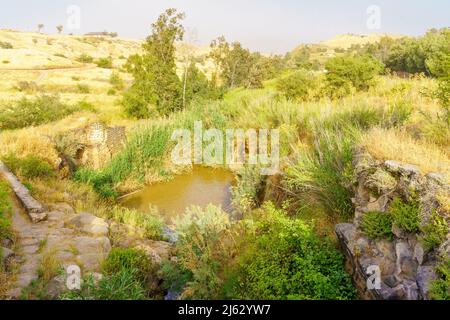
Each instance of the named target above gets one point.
<point>5,211</point>
<point>116,81</point>
<point>105,63</point>
<point>440,288</point>
<point>29,167</point>
<point>298,85</point>
<point>149,223</point>
<point>120,259</point>
<point>345,73</point>
<point>405,216</point>
<point>83,88</point>
<point>377,225</point>
<point>84,58</point>
<point>434,232</point>
<point>123,285</point>
<point>33,112</point>
<point>284,259</point>
<point>5,45</point>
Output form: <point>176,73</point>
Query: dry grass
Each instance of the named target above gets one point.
<point>398,145</point>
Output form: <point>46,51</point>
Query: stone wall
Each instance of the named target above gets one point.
<point>406,267</point>
<point>99,144</point>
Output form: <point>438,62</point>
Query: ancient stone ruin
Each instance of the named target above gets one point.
<point>98,144</point>
<point>405,266</point>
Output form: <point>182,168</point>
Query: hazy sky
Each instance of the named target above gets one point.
<point>264,25</point>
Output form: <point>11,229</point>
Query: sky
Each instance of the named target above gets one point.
<point>269,26</point>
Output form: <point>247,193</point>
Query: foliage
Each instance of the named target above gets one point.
<point>198,85</point>
<point>5,211</point>
<point>105,63</point>
<point>377,225</point>
<point>246,192</point>
<point>324,171</point>
<point>29,167</point>
<point>122,259</point>
<point>405,215</point>
<point>123,285</point>
<point>32,112</point>
<point>284,259</point>
<point>83,88</point>
<point>149,223</point>
<point>204,247</point>
<point>434,232</point>
<point>298,85</point>
<point>116,81</point>
<point>84,58</point>
<point>440,288</point>
<point>5,45</point>
<point>155,78</point>
<point>346,73</point>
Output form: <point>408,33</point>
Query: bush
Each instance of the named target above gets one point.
<point>116,81</point>
<point>5,211</point>
<point>84,58</point>
<point>345,73</point>
<point>29,167</point>
<point>440,288</point>
<point>246,192</point>
<point>434,232</point>
<point>105,63</point>
<point>5,45</point>
<point>27,86</point>
<point>284,259</point>
<point>298,85</point>
<point>405,216</point>
<point>33,112</point>
<point>123,285</point>
<point>83,88</point>
<point>377,225</point>
<point>120,260</point>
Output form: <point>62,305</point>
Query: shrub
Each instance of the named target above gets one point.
<point>105,63</point>
<point>5,45</point>
<point>5,61</point>
<point>32,112</point>
<point>324,172</point>
<point>298,85</point>
<point>27,86</point>
<point>123,285</point>
<point>377,225</point>
<point>440,288</point>
<point>120,259</point>
<point>83,88</point>
<point>84,58</point>
<point>405,216</point>
<point>284,259</point>
<point>345,73</point>
<point>86,106</point>
<point>204,247</point>
<point>5,211</point>
<point>29,167</point>
<point>116,81</point>
<point>149,223</point>
<point>246,192</point>
<point>434,232</point>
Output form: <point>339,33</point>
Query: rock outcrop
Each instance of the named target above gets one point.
<point>405,267</point>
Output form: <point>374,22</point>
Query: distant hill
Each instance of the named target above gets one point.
<point>345,41</point>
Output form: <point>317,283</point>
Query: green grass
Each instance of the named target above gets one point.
<point>406,215</point>
<point>30,167</point>
<point>5,211</point>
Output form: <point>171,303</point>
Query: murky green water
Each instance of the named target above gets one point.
<point>201,187</point>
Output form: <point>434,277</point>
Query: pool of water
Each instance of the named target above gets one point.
<point>200,187</point>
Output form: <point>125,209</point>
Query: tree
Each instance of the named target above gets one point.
<point>345,73</point>
<point>40,27</point>
<point>297,85</point>
<point>155,79</point>
<point>59,28</point>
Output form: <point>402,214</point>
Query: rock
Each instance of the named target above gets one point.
<point>91,251</point>
<point>5,254</point>
<point>425,274</point>
<point>436,177</point>
<point>63,207</point>
<point>411,290</point>
<point>381,182</point>
<point>6,243</point>
<point>405,263</point>
<point>397,167</point>
<point>392,281</point>
<point>398,232</point>
<point>157,251</point>
<point>89,224</point>
<point>419,253</point>
<point>56,286</point>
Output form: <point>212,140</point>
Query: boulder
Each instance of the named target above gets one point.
<point>89,224</point>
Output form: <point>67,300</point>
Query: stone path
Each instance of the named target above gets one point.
<point>64,236</point>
